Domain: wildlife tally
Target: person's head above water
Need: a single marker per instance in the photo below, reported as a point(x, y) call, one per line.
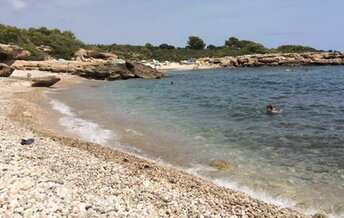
point(271, 110)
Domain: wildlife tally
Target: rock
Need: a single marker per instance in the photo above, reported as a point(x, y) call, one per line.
point(146, 72)
point(5, 71)
point(129, 65)
point(284, 59)
point(25, 186)
point(319, 215)
point(44, 81)
point(18, 210)
point(220, 164)
point(92, 70)
point(172, 180)
point(27, 141)
point(88, 206)
point(27, 114)
point(9, 53)
point(109, 71)
point(106, 71)
point(85, 55)
point(45, 48)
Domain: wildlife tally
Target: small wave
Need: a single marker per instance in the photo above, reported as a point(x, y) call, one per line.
point(200, 137)
point(198, 170)
point(134, 132)
point(62, 108)
point(260, 196)
point(87, 130)
point(269, 199)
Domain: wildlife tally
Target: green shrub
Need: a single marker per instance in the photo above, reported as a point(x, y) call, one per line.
point(63, 44)
point(294, 49)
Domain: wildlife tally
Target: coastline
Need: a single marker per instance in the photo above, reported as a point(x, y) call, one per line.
point(83, 178)
point(179, 67)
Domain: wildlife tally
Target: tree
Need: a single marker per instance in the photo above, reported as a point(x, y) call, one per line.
point(149, 46)
point(69, 34)
point(211, 47)
point(254, 48)
point(195, 43)
point(233, 42)
point(166, 46)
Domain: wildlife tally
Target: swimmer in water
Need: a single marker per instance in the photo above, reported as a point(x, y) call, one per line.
point(272, 110)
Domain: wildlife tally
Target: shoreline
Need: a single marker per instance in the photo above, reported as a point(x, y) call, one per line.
point(201, 196)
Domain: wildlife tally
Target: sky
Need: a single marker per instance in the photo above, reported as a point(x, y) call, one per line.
point(316, 23)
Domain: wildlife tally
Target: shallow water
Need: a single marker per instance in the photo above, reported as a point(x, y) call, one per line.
point(295, 158)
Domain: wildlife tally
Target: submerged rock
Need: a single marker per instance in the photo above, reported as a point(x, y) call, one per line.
point(44, 81)
point(220, 164)
point(5, 71)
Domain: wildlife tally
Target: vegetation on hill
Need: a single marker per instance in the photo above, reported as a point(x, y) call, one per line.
point(63, 44)
point(295, 49)
point(42, 40)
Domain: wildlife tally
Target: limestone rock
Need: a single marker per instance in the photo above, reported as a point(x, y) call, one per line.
point(5, 71)
point(9, 53)
point(110, 71)
point(44, 81)
point(84, 55)
point(282, 59)
point(92, 70)
point(44, 48)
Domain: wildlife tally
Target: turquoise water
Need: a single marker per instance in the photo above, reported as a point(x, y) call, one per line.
point(295, 158)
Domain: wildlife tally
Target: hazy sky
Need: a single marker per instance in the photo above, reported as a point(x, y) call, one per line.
point(317, 23)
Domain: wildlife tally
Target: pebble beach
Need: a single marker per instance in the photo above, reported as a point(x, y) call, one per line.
point(57, 176)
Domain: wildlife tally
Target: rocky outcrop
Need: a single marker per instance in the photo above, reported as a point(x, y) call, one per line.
point(109, 71)
point(44, 81)
point(5, 71)
point(287, 59)
point(92, 70)
point(10, 53)
point(89, 55)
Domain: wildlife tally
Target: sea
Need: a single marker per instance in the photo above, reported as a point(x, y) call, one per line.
point(190, 118)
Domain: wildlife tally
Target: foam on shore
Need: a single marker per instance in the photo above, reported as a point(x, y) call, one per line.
point(265, 197)
point(87, 130)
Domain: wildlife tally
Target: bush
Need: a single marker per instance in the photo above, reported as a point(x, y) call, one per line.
point(63, 44)
point(294, 49)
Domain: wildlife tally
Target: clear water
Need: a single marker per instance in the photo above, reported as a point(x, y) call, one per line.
point(295, 158)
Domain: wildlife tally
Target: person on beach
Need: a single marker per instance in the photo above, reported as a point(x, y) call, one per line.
point(271, 110)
